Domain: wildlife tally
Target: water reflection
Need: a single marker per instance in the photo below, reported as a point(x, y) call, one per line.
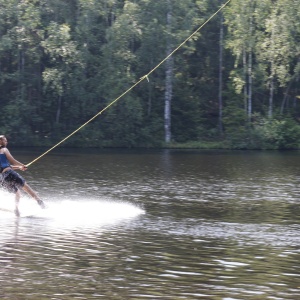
point(156, 225)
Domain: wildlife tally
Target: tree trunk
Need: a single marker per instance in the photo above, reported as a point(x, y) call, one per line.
point(286, 94)
point(221, 76)
point(250, 78)
point(272, 76)
point(58, 109)
point(21, 71)
point(297, 97)
point(245, 81)
point(270, 112)
point(149, 106)
point(250, 86)
point(169, 78)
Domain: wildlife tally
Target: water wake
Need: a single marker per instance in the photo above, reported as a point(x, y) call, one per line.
point(86, 212)
point(67, 212)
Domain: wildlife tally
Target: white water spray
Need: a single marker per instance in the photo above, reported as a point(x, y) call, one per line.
point(79, 211)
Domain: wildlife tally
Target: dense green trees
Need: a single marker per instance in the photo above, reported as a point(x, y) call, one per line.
point(235, 82)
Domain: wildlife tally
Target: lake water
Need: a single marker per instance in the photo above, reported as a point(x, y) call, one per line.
point(169, 224)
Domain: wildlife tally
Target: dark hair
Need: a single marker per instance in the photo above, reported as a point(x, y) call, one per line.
point(1, 139)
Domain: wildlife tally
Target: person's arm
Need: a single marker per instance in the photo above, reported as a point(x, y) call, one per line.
point(14, 163)
point(22, 168)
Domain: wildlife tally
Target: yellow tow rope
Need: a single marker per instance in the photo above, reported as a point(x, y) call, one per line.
point(133, 86)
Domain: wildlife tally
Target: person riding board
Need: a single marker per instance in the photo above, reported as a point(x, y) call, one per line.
point(10, 179)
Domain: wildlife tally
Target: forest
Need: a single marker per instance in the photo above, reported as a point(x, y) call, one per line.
point(233, 85)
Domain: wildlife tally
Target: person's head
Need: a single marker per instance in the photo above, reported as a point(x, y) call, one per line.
point(3, 141)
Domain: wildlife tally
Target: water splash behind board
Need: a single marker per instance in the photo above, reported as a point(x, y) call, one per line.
point(73, 213)
point(87, 212)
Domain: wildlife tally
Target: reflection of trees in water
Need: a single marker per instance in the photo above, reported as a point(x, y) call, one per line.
point(9, 249)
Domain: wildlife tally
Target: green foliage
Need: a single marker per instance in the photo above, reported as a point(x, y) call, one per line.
point(277, 133)
point(61, 62)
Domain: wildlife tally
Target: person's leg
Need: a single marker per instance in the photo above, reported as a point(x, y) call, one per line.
point(30, 191)
point(26, 188)
point(8, 183)
point(17, 200)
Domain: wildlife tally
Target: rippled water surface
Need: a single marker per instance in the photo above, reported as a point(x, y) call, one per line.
point(173, 224)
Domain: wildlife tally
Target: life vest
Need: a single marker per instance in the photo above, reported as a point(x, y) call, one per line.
point(3, 162)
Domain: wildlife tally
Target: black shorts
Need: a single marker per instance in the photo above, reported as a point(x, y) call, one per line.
point(11, 181)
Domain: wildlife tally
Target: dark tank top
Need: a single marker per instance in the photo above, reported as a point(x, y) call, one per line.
point(3, 162)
